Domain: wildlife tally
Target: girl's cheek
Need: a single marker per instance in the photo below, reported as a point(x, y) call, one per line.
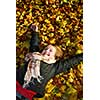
point(43, 52)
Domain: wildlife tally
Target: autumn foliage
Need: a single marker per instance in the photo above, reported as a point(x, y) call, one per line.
point(60, 22)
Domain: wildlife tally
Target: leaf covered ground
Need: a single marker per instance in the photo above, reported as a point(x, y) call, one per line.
point(60, 22)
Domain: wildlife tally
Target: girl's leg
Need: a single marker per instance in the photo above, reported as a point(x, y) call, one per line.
point(24, 92)
point(18, 95)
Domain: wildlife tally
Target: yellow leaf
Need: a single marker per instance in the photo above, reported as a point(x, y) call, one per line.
point(54, 6)
point(47, 2)
point(44, 33)
point(71, 90)
point(70, 79)
point(58, 94)
point(50, 88)
point(68, 42)
point(73, 96)
point(39, 99)
point(18, 13)
point(40, 19)
point(65, 1)
point(68, 84)
point(30, 14)
point(63, 87)
point(26, 44)
point(45, 38)
point(25, 6)
point(61, 30)
point(51, 35)
point(64, 23)
point(47, 95)
point(23, 13)
point(52, 41)
point(57, 19)
point(21, 56)
point(47, 21)
point(78, 51)
point(25, 22)
point(21, 17)
point(51, 80)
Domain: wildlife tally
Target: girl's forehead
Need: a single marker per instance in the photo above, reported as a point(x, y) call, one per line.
point(50, 46)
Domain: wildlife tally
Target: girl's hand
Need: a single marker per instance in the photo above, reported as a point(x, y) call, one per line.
point(37, 55)
point(28, 56)
point(34, 27)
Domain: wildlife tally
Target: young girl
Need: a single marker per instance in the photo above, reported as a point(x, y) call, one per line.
point(51, 64)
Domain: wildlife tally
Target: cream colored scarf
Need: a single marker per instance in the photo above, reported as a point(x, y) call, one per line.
point(33, 70)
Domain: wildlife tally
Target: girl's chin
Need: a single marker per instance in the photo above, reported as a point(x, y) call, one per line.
point(46, 56)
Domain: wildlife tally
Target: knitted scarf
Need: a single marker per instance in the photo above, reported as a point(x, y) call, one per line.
point(33, 70)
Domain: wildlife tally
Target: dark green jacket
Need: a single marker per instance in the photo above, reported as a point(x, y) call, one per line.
point(47, 70)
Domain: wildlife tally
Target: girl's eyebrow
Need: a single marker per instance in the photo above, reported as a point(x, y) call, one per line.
point(46, 48)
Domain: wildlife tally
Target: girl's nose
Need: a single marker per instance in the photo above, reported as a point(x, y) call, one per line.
point(47, 50)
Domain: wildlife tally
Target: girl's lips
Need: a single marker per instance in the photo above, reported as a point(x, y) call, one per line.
point(48, 54)
point(45, 54)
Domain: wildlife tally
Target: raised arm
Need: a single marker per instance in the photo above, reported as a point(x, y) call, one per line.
point(34, 47)
point(66, 64)
point(34, 42)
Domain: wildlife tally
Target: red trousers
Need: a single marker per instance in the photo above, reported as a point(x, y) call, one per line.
point(24, 92)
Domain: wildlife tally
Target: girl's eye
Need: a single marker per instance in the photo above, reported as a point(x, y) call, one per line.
point(50, 50)
point(46, 48)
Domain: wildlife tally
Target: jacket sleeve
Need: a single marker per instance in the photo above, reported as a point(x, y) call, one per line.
point(20, 73)
point(34, 47)
point(66, 64)
point(34, 42)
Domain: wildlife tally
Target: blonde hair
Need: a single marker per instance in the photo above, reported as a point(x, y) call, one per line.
point(59, 52)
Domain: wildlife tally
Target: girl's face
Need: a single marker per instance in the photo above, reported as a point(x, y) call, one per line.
point(49, 52)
